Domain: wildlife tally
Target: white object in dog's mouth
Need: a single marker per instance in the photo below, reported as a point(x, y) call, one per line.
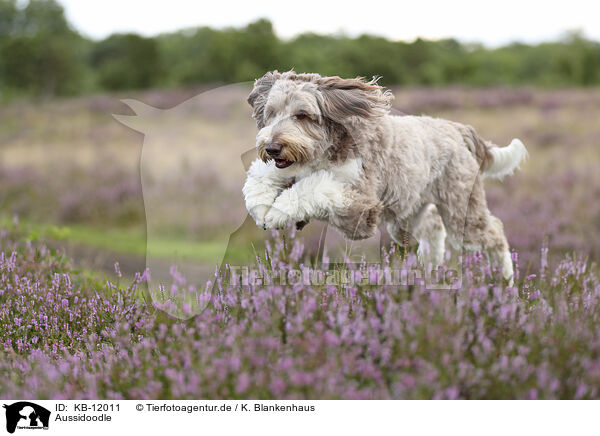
point(282, 163)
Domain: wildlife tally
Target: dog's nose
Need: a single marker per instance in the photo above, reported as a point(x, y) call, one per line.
point(273, 149)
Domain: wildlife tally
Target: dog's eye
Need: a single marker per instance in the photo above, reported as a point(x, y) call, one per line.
point(300, 116)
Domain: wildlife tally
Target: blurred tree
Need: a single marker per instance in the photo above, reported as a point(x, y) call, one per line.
point(39, 53)
point(8, 18)
point(45, 17)
point(580, 63)
point(310, 52)
point(184, 54)
point(259, 48)
point(229, 55)
point(126, 61)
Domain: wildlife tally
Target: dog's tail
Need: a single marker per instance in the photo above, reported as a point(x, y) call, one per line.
point(505, 160)
point(496, 162)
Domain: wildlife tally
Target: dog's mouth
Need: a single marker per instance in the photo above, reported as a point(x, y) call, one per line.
point(282, 163)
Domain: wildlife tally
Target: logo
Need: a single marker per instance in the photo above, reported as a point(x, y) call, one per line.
point(26, 415)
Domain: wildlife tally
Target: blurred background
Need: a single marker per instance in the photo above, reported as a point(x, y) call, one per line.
point(70, 173)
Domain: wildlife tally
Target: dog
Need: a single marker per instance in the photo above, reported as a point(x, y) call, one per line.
point(330, 149)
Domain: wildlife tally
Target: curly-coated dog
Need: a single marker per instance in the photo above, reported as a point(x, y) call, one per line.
point(330, 149)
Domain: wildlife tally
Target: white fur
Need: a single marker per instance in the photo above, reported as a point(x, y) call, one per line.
point(316, 196)
point(431, 250)
point(506, 159)
point(349, 171)
point(507, 267)
point(263, 185)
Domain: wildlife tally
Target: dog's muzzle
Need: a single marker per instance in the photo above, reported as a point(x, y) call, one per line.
point(273, 150)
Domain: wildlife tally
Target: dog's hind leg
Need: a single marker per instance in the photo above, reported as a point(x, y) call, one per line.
point(497, 248)
point(398, 232)
point(471, 225)
point(427, 227)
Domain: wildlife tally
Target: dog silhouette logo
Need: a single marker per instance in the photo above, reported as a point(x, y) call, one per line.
point(26, 415)
point(191, 181)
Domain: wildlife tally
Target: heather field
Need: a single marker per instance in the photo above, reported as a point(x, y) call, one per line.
point(75, 325)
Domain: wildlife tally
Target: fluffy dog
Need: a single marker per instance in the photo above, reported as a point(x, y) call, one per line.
point(330, 149)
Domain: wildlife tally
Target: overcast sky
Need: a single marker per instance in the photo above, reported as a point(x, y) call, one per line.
point(491, 22)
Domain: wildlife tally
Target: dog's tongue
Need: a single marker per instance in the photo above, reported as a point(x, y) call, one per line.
point(282, 163)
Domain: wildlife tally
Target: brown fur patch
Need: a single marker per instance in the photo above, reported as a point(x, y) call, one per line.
point(343, 98)
point(361, 219)
point(258, 97)
point(343, 146)
point(477, 146)
point(293, 148)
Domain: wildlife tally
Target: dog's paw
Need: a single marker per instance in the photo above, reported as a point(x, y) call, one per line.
point(276, 219)
point(284, 210)
point(258, 214)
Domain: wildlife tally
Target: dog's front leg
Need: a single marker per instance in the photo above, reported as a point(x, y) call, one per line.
point(316, 196)
point(262, 187)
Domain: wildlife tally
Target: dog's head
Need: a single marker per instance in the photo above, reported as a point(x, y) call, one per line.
point(303, 117)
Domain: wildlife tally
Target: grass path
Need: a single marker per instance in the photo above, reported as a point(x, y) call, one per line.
point(131, 241)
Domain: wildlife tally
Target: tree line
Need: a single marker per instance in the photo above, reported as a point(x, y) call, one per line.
point(41, 55)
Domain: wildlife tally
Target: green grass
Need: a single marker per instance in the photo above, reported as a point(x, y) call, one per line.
point(128, 241)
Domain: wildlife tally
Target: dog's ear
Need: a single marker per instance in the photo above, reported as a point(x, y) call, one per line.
point(258, 97)
point(344, 98)
point(344, 102)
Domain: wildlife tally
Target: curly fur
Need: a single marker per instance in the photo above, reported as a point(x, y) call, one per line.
point(356, 165)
